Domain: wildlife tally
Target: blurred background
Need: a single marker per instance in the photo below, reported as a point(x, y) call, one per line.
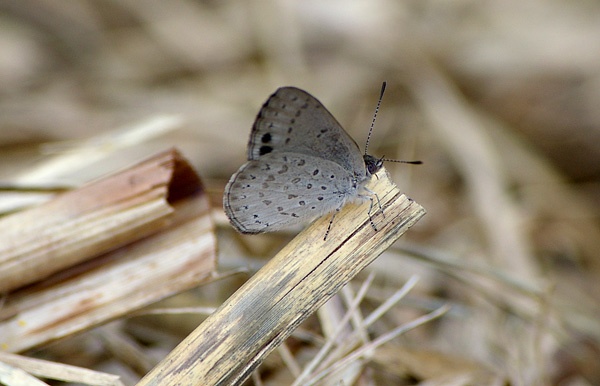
point(500, 100)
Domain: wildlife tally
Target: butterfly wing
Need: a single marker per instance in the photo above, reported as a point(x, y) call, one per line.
point(283, 189)
point(292, 120)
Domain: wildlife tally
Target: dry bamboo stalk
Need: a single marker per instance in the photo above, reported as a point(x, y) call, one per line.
point(108, 286)
point(233, 341)
point(91, 220)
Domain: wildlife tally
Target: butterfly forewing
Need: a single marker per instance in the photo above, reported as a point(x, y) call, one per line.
point(294, 121)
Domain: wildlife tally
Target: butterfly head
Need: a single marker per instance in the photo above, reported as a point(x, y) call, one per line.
point(372, 164)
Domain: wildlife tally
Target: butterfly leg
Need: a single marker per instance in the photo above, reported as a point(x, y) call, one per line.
point(370, 197)
point(331, 222)
point(369, 213)
point(372, 193)
point(371, 203)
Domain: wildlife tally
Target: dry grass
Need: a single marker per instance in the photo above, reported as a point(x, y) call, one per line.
point(498, 98)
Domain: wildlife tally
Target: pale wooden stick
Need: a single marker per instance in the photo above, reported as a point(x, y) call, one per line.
point(233, 341)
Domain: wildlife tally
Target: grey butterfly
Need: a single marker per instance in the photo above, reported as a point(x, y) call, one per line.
point(301, 165)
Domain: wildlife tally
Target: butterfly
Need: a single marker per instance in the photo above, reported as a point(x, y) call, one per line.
point(301, 164)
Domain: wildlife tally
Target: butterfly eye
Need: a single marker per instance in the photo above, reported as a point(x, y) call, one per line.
point(374, 167)
point(372, 164)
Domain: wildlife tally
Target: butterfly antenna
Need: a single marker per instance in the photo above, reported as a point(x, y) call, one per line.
point(375, 116)
point(402, 162)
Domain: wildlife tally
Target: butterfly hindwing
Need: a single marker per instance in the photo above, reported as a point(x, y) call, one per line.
point(283, 189)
